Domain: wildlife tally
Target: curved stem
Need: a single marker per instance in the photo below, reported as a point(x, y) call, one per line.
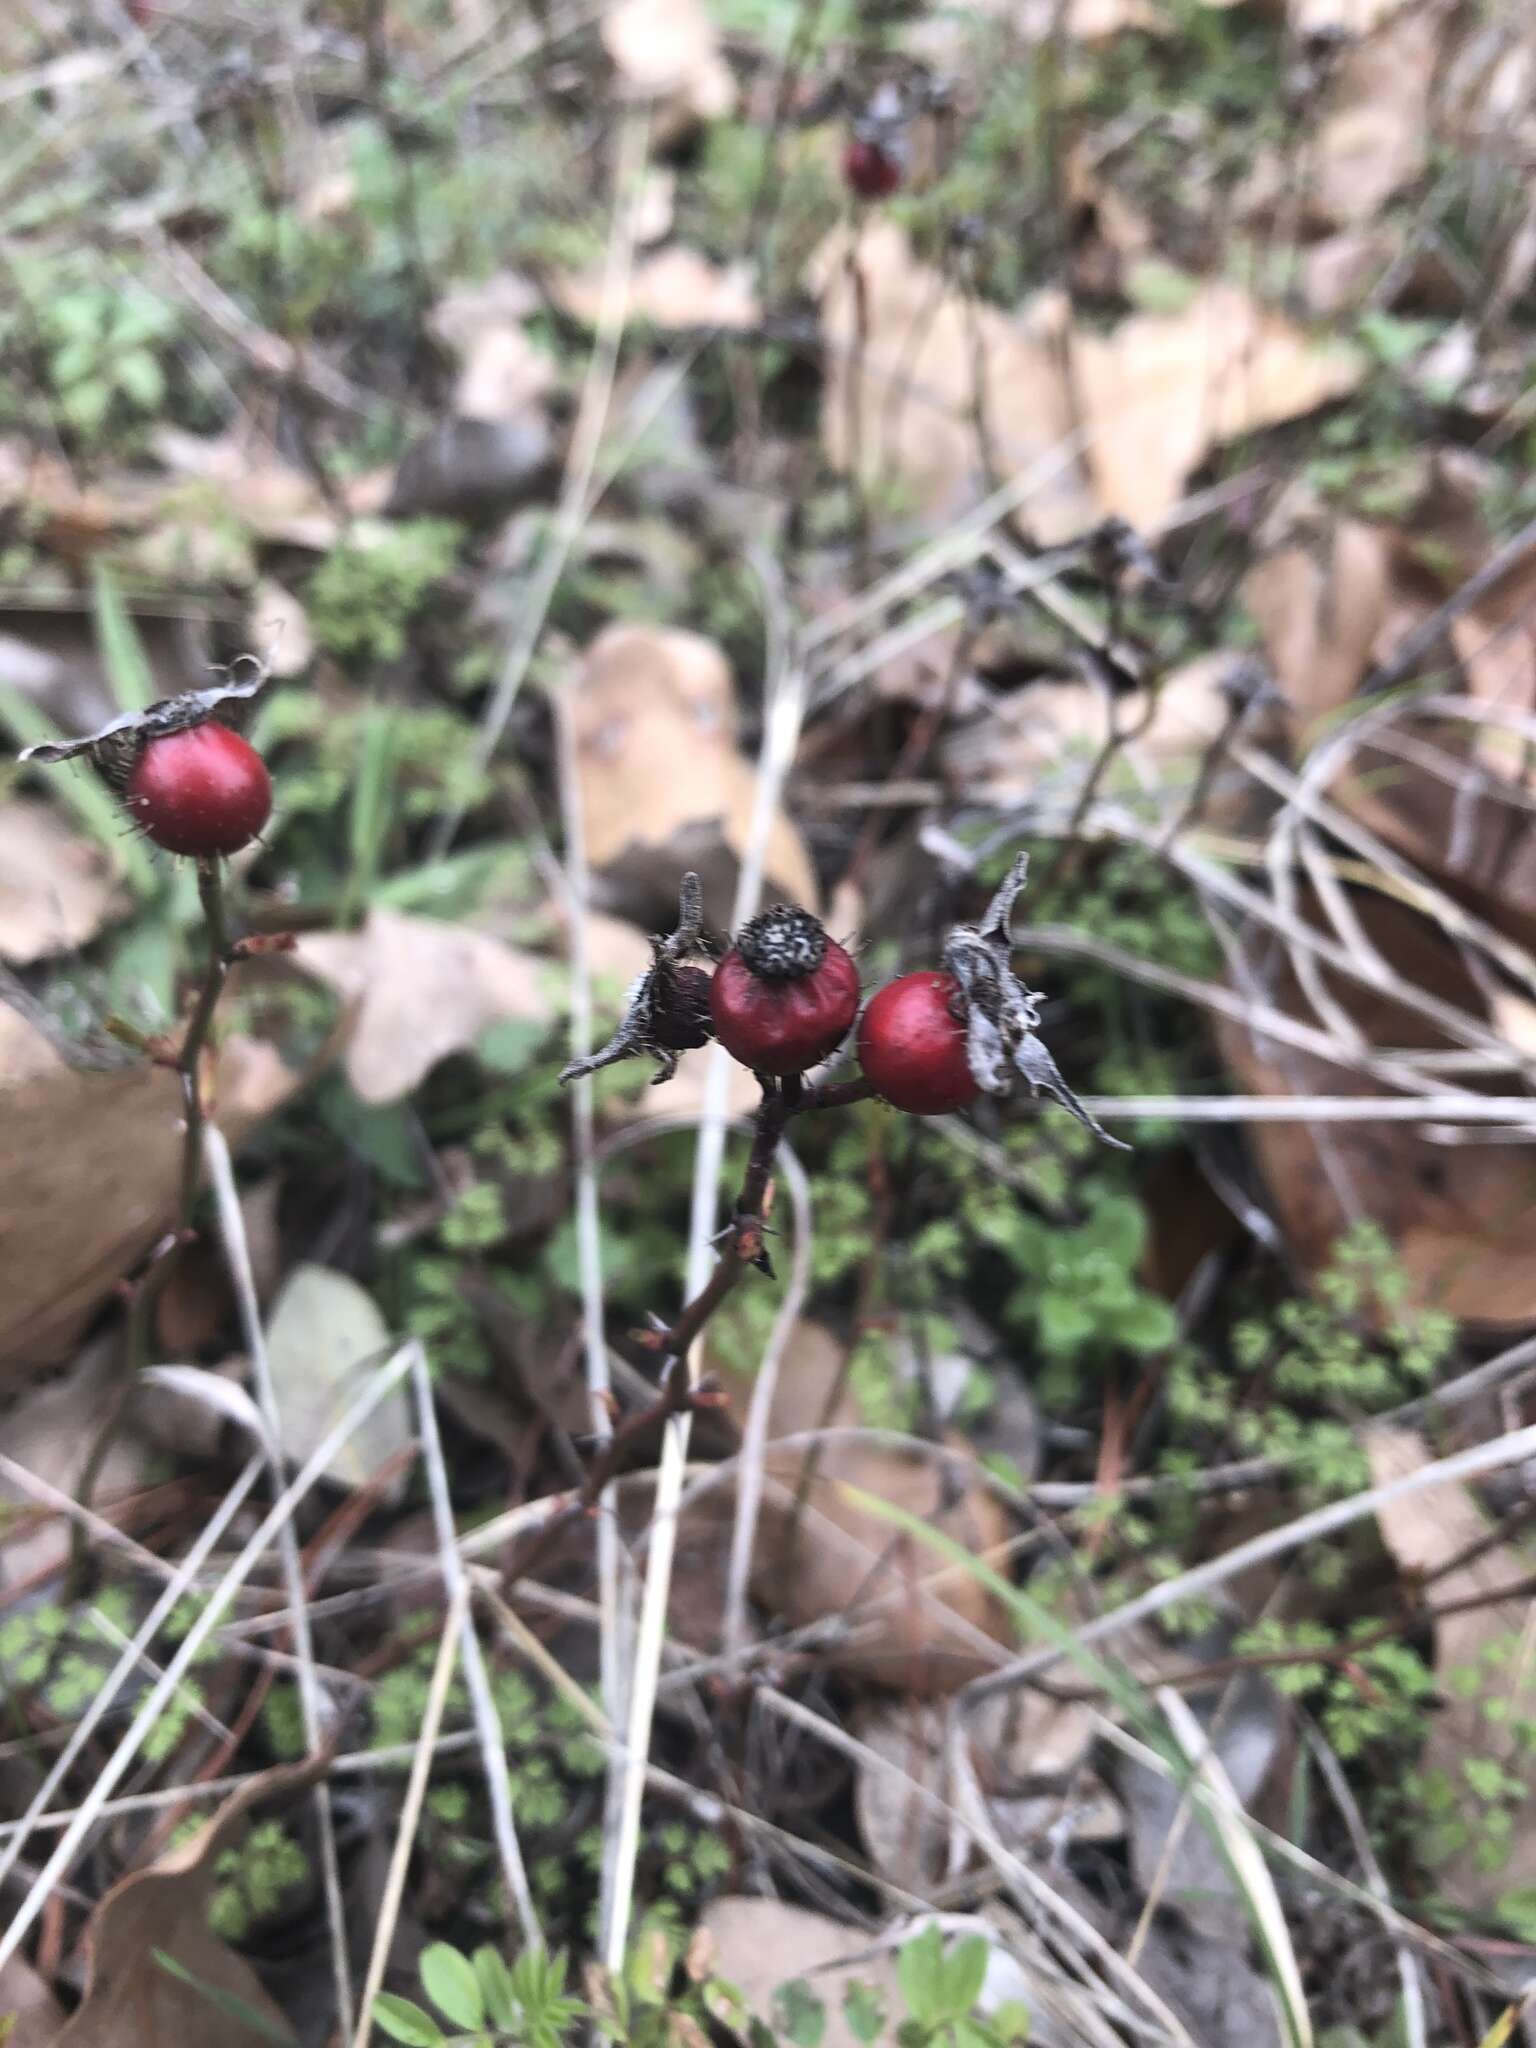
point(151, 1282)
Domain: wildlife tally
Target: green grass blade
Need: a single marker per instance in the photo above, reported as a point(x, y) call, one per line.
point(226, 2002)
point(122, 651)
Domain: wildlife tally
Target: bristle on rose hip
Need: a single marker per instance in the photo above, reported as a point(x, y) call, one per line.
point(203, 792)
point(786, 995)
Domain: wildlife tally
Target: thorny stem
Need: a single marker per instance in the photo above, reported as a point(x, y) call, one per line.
point(743, 1247)
point(151, 1282)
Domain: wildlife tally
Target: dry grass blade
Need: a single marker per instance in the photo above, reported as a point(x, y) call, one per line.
point(574, 505)
point(150, 1708)
point(106, 1693)
point(784, 715)
point(237, 1253)
point(1250, 1873)
point(487, 1726)
point(453, 1636)
point(1503, 1451)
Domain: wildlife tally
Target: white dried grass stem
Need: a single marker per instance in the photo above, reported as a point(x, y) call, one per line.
point(236, 1573)
point(106, 1693)
point(237, 1256)
point(451, 1640)
point(487, 1726)
point(781, 732)
point(586, 437)
point(1513, 1448)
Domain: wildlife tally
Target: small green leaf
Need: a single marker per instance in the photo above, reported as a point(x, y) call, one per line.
point(801, 2014)
point(1064, 1322)
point(140, 377)
point(403, 2021)
point(965, 1970)
point(449, 1980)
point(863, 2011)
point(920, 1973)
point(1011, 2022)
point(1147, 1323)
point(496, 1986)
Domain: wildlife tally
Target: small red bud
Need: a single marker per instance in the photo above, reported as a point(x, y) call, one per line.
point(871, 169)
point(912, 1045)
point(202, 791)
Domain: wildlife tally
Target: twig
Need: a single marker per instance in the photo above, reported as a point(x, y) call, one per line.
point(147, 1290)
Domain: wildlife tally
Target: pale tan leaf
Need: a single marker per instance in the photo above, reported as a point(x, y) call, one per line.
point(761, 1945)
point(422, 990)
point(1321, 600)
point(663, 785)
point(56, 889)
point(1375, 137)
point(325, 1336)
point(1164, 389)
point(675, 287)
point(669, 51)
point(26, 2001)
point(281, 634)
point(915, 383)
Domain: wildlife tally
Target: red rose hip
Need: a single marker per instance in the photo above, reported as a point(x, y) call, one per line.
point(786, 995)
point(912, 1045)
point(870, 169)
point(202, 791)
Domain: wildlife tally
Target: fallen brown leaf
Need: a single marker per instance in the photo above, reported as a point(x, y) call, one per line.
point(25, 2000)
point(1321, 597)
point(1028, 1754)
point(49, 1431)
point(1492, 1644)
point(761, 1945)
point(56, 889)
point(668, 51)
point(502, 374)
point(928, 1623)
point(1164, 389)
point(422, 990)
point(1461, 1218)
point(133, 2001)
point(915, 381)
point(662, 783)
point(1376, 134)
point(89, 1172)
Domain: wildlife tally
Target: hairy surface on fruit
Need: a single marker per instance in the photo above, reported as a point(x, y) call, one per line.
point(783, 943)
point(784, 1026)
point(680, 1018)
point(202, 791)
point(912, 1045)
